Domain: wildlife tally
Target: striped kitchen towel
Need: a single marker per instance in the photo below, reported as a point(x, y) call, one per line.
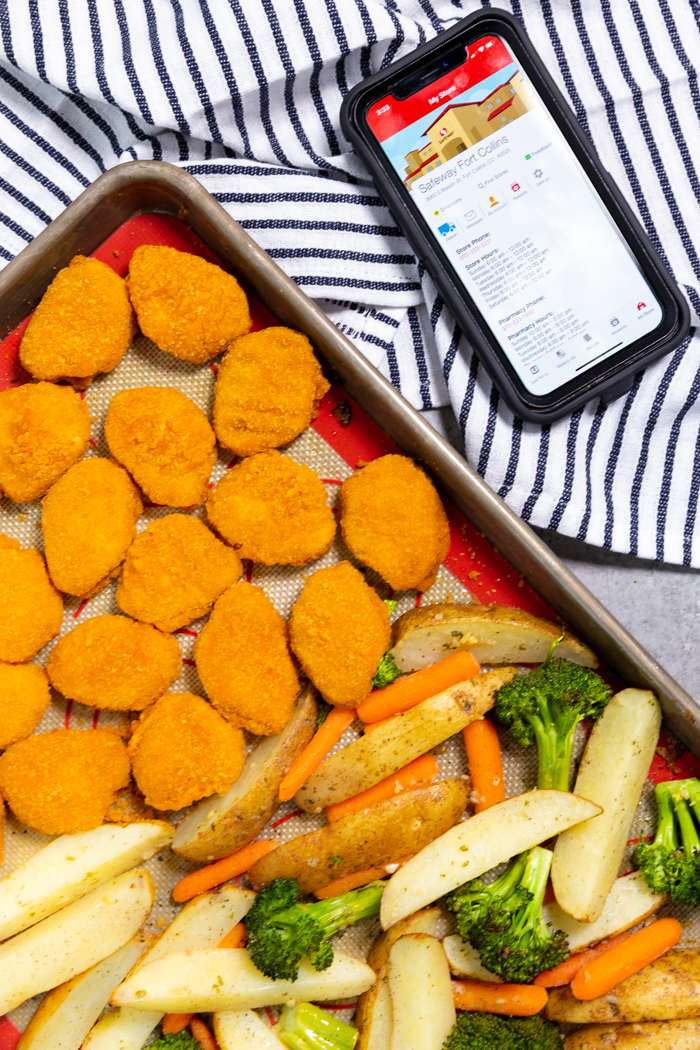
point(245, 95)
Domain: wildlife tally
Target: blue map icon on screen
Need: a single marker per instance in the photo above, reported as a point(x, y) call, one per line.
point(447, 227)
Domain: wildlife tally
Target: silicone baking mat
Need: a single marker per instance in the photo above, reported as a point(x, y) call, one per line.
point(342, 438)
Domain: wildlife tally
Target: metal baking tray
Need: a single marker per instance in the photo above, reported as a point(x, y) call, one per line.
point(142, 187)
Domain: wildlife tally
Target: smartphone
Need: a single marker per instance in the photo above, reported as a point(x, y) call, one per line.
point(501, 194)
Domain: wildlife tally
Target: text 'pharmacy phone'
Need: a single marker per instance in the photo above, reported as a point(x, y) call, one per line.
point(528, 239)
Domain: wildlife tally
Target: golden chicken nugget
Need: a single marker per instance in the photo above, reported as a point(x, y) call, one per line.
point(89, 522)
point(267, 391)
point(24, 696)
point(83, 325)
point(244, 663)
point(164, 441)
point(189, 307)
point(392, 519)
point(182, 750)
point(174, 572)
point(339, 630)
point(63, 782)
point(31, 609)
point(44, 430)
point(115, 664)
point(273, 510)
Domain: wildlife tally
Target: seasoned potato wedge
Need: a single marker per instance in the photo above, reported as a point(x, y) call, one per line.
point(74, 939)
point(202, 923)
point(664, 990)
point(374, 1017)
point(612, 773)
point(464, 960)
point(220, 825)
point(652, 1035)
point(73, 865)
point(67, 1013)
point(476, 845)
point(495, 634)
point(421, 993)
point(226, 979)
point(244, 1030)
point(371, 758)
point(378, 835)
point(630, 901)
point(425, 921)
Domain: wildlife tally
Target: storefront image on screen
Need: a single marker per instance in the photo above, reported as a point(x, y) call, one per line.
point(517, 218)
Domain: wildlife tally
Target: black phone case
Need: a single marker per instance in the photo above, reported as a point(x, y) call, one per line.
point(608, 380)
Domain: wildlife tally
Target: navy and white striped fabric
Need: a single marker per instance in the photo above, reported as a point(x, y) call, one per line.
point(245, 95)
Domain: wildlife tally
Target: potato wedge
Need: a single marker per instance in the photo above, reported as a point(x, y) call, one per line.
point(652, 1035)
point(202, 923)
point(374, 1017)
point(371, 758)
point(74, 939)
point(495, 634)
point(421, 993)
point(612, 773)
point(67, 1013)
point(664, 990)
point(425, 921)
point(221, 824)
point(244, 1030)
point(73, 865)
point(476, 845)
point(226, 979)
point(464, 960)
point(630, 901)
point(378, 835)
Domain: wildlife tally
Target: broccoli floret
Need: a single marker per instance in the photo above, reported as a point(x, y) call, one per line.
point(504, 921)
point(307, 1027)
point(477, 1031)
point(544, 707)
point(671, 863)
point(387, 672)
point(282, 931)
point(184, 1040)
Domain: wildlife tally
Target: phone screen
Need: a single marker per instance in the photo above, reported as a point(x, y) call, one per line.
point(517, 217)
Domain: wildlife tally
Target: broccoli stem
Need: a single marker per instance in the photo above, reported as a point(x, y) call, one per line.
point(307, 1027)
point(537, 865)
point(338, 912)
point(666, 828)
point(681, 793)
point(554, 728)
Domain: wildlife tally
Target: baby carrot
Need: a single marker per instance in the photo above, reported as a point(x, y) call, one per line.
point(235, 938)
point(409, 691)
point(202, 1034)
point(174, 1023)
point(519, 1000)
point(221, 870)
point(485, 766)
point(361, 878)
point(371, 726)
point(337, 721)
point(565, 972)
point(604, 973)
point(420, 771)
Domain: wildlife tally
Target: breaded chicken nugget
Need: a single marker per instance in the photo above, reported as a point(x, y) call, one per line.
point(244, 663)
point(182, 750)
point(44, 430)
point(164, 441)
point(392, 519)
point(89, 522)
point(273, 510)
point(114, 663)
point(339, 631)
point(24, 696)
point(187, 306)
point(64, 781)
point(174, 572)
point(267, 391)
point(31, 609)
point(83, 325)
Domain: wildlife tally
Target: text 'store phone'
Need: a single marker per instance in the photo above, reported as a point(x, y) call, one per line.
point(528, 239)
